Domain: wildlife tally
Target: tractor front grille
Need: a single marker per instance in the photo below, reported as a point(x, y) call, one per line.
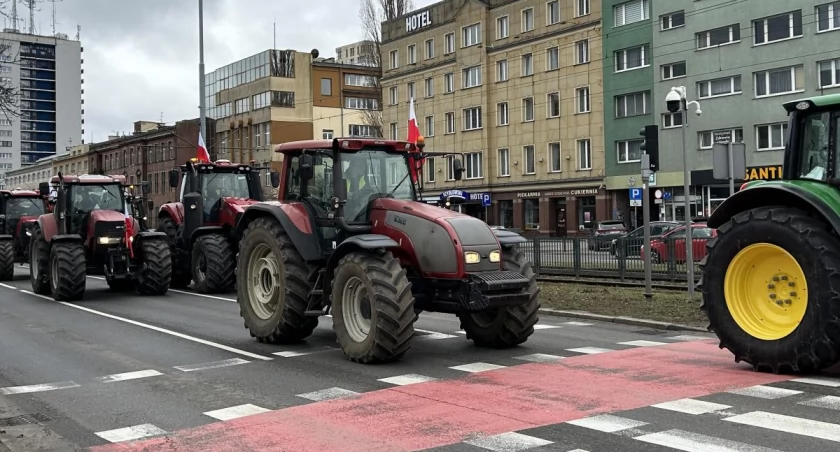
point(114, 229)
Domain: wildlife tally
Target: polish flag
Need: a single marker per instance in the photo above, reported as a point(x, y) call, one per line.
point(413, 134)
point(201, 153)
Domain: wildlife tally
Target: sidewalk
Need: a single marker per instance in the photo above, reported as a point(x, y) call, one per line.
point(23, 432)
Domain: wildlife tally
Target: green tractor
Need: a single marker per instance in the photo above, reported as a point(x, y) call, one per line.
point(771, 278)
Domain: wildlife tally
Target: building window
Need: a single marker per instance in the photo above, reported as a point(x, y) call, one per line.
point(501, 70)
point(719, 87)
point(502, 115)
point(430, 49)
point(449, 83)
point(633, 104)
point(471, 77)
point(531, 209)
point(770, 137)
point(707, 138)
point(449, 43)
point(359, 80)
point(393, 130)
point(326, 87)
point(450, 122)
point(555, 158)
point(409, 88)
point(430, 87)
point(527, 64)
point(582, 100)
point(829, 73)
point(584, 148)
point(430, 126)
point(552, 11)
point(581, 8)
point(474, 165)
point(777, 28)
point(430, 169)
point(552, 57)
point(775, 81)
point(502, 27)
point(582, 52)
point(412, 54)
point(632, 58)
point(527, 19)
point(530, 159)
point(553, 106)
point(361, 103)
point(472, 118)
point(471, 35)
point(326, 134)
point(393, 95)
point(628, 151)
point(504, 162)
point(395, 59)
point(672, 20)
point(363, 130)
point(528, 109)
point(673, 70)
point(828, 17)
point(450, 167)
point(631, 12)
point(729, 34)
point(672, 120)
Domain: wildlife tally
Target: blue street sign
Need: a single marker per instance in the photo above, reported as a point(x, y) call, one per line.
point(485, 199)
point(636, 194)
point(667, 195)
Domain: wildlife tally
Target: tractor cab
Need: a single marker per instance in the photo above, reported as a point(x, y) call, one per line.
point(83, 195)
point(215, 182)
point(18, 209)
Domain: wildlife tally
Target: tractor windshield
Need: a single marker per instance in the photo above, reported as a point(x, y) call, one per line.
point(85, 198)
point(24, 207)
point(373, 173)
point(216, 186)
point(814, 152)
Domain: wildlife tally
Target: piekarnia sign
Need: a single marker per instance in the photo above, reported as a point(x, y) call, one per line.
point(417, 21)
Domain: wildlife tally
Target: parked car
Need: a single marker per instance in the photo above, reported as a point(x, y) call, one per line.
point(660, 248)
point(630, 244)
point(603, 232)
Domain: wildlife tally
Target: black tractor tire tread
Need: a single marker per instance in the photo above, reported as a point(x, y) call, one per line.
point(7, 260)
point(519, 320)
point(818, 336)
point(42, 261)
point(393, 303)
point(156, 274)
point(70, 258)
point(179, 279)
point(221, 264)
point(293, 326)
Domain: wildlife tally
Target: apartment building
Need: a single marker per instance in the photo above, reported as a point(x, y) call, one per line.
point(359, 53)
point(515, 87)
point(28, 177)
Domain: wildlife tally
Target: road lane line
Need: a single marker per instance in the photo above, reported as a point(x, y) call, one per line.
point(589, 350)
point(236, 412)
point(232, 300)
point(642, 343)
point(408, 379)
point(8, 286)
point(158, 329)
point(691, 406)
point(38, 388)
point(607, 423)
point(476, 367)
point(433, 335)
point(544, 326)
point(819, 381)
point(129, 376)
point(695, 442)
point(789, 424)
point(130, 433)
point(765, 392)
point(827, 402)
point(539, 358)
point(511, 441)
point(212, 365)
point(328, 394)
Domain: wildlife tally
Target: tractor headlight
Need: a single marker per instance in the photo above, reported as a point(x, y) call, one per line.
point(471, 257)
point(495, 256)
point(109, 240)
point(29, 233)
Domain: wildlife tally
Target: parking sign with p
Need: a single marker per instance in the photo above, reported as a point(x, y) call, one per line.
point(635, 197)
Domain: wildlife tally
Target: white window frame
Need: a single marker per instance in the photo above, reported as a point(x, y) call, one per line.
point(668, 120)
point(779, 128)
point(552, 5)
point(549, 104)
point(504, 161)
point(476, 165)
point(502, 27)
point(529, 151)
point(766, 81)
point(670, 19)
point(527, 12)
point(394, 59)
point(471, 35)
point(626, 151)
point(429, 46)
point(552, 55)
point(527, 62)
point(582, 47)
point(393, 130)
point(409, 90)
point(450, 168)
point(584, 151)
point(411, 51)
point(429, 122)
point(449, 123)
point(526, 109)
point(449, 43)
point(394, 95)
point(472, 118)
point(449, 83)
point(622, 98)
point(555, 167)
point(429, 169)
point(832, 9)
point(791, 16)
point(670, 67)
point(502, 72)
point(581, 109)
point(620, 15)
point(471, 77)
point(733, 92)
point(582, 8)
point(429, 87)
point(703, 38)
point(834, 67)
point(503, 114)
point(622, 55)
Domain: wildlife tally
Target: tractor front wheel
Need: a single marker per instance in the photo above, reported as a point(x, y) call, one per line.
point(39, 263)
point(770, 281)
point(180, 279)
point(67, 271)
point(156, 274)
point(507, 326)
point(373, 307)
point(213, 262)
point(7, 260)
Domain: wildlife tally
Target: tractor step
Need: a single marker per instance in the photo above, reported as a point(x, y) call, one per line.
point(314, 313)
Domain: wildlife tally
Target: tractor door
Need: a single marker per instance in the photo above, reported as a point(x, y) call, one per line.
point(317, 196)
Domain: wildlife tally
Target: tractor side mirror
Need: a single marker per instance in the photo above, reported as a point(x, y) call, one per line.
point(275, 179)
point(458, 168)
point(174, 178)
point(44, 189)
point(146, 187)
point(306, 170)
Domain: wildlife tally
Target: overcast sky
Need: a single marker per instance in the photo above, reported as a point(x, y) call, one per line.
point(141, 57)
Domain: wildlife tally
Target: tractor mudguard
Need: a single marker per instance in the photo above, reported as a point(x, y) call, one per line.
point(305, 241)
point(507, 238)
point(819, 197)
point(48, 226)
point(66, 238)
point(174, 210)
point(149, 235)
point(6, 237)
point(204, 230)
point(361, 241)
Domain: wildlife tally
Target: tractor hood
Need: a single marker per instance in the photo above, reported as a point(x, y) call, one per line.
point(419, 209)
point(238, 205)
point(25, 223)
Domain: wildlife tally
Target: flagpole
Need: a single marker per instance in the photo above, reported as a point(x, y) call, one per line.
point(201, 105)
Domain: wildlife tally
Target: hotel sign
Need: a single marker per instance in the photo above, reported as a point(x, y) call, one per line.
point(417, 21)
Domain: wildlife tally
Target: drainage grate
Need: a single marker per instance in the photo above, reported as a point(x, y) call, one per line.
point(651, 332)
point(34, 418)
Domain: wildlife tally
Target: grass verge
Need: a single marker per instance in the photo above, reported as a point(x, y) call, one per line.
point(665, 306)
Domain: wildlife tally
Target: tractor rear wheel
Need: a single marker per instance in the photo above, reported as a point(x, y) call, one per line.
point(770, 284)
point(7, 260)
point(67, 271)
point(39, 263)
point(155, 276)
point(511, 325)
point(213, 262)
point(274, 284)
point(372, 307)
point(180, 279)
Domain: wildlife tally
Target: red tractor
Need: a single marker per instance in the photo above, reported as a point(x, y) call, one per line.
point(90, 232)
point(19, 209)
point(348, 235)
point(203, 250)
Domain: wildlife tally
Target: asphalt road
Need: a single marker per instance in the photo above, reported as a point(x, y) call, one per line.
point(180, 372)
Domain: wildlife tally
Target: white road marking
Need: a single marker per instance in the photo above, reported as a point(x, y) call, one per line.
point(460, 332)
point(691, 406)
point(508, 442)
point(157, 328)
point(695, 442)
point(212, 365)
point(476, 367)
point(578, 323)
point(129, 376)
point(819, 381)
point(607, 423)
point(688, 338)
point(642, 343)
point(539, 358)
point(589, 350)
point(789, 424)
point(233, 300)
point(236, 412)
point(328, 394)
point(542, 326)
point(8, 286)
point(827, 402)
point(765, 392)
point(433, 335)
point(304, 352)
point(38, 388)
point(130, 433)
point(407, 379)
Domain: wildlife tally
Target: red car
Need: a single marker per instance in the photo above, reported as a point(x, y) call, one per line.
point(700, 235)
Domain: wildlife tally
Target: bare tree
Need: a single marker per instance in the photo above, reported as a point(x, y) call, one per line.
point(372, 14)
point(9, 94)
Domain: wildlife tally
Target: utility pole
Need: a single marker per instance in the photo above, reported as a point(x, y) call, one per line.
point(650, 163)
point(201, 101)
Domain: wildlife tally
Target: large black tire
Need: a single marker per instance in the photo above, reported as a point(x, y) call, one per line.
point(180, 279)
point(39, 263)
point(213, 264)
point(390, 308)
point(156, 274)
point(287, 286)
point(67, 271)
point(7, 260)
point(813, 344)
point(511, 325)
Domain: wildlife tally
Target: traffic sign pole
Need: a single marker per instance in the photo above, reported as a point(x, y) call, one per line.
point(646, 220)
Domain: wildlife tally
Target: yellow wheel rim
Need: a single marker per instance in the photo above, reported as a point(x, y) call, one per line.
point(766, 291)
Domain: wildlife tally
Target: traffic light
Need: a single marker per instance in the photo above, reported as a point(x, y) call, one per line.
point(651, 145)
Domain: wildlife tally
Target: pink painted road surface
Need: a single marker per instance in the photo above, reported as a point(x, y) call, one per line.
point(439, 413)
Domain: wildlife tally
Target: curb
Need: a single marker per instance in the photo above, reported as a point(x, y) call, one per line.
point(622, 320)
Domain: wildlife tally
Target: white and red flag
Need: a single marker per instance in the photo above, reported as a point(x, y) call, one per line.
point(201, 153)
point(413, 134)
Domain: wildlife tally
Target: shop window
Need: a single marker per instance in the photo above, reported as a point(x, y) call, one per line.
point(532, 213)
point(506, 213)
point(586, 211)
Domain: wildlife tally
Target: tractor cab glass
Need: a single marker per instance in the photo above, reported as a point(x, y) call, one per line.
point(18, 207)
point(82, 199)
point(814, 141)
point(214, 184)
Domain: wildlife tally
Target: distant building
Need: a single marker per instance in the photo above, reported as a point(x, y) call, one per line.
point(360, 53)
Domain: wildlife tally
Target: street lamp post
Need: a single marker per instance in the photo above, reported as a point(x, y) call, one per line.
point(676, 101)
point(201, 107)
